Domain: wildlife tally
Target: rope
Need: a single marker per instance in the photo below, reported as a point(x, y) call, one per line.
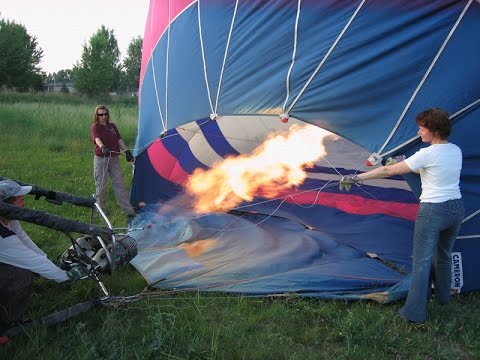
point(157, 97)
point(326, 56)
point(268, 215)
point(105, 166)
point(200, 34)
point(224, 229)
point(471, 216)
point(102, 184)
point(225, 57)
point(427, 73)
point(405, 143)
point(295, 41)
point(316, 196)
point(469, 237)
point(165, 126)
point(164, 121)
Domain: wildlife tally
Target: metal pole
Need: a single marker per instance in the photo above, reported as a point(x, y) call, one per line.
point(112, 253)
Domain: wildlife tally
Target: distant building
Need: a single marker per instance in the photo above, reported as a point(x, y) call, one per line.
point(58, 86)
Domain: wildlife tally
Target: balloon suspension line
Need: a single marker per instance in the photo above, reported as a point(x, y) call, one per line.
point(324, 59)
point(284, 114)
point(425, 76)
point(202, 49)
point(227, 46)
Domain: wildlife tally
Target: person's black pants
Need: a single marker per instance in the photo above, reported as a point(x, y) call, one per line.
point(16, 287)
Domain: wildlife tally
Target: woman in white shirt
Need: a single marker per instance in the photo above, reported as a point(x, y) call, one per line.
point(440, 213)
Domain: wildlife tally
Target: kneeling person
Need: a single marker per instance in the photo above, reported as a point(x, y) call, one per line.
point(20, 259)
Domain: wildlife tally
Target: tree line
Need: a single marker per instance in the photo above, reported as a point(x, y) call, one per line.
point(99, 71)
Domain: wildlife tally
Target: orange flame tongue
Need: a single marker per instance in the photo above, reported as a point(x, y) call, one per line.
point(275, 166)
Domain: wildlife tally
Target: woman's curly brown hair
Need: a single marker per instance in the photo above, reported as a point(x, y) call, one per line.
point(435, 120)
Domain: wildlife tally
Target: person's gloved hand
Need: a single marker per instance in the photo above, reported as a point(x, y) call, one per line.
point(394, 160)
point(106, 234)
point(77, 273)
point(105, 151)
point(347, 181)
point(61, 264)
point(128, 155)
point(390, 161)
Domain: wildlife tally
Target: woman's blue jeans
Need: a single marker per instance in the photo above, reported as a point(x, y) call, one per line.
point(436, 228)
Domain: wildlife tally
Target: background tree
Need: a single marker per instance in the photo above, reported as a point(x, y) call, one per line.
point(61, 76)
point(64, 75)
point(99, 70)
point(132, 64)
point(19, 59)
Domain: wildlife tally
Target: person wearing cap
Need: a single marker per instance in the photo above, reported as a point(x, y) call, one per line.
point(20, 259)
point(108, 145)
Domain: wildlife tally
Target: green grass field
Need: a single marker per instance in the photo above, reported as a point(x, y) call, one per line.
point(45, 140)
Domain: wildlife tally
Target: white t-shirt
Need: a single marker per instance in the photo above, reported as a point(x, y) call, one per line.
point(17, 249)
point(439, 166)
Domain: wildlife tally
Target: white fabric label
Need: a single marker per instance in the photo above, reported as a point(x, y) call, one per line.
point(457, 273)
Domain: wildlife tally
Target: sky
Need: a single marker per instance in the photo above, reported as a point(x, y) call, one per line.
point(62, 27)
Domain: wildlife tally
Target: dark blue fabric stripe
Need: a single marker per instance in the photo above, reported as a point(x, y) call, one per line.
point(178, 147)
point(216, 139)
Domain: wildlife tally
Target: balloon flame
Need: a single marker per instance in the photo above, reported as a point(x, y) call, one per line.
point(275, 166)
